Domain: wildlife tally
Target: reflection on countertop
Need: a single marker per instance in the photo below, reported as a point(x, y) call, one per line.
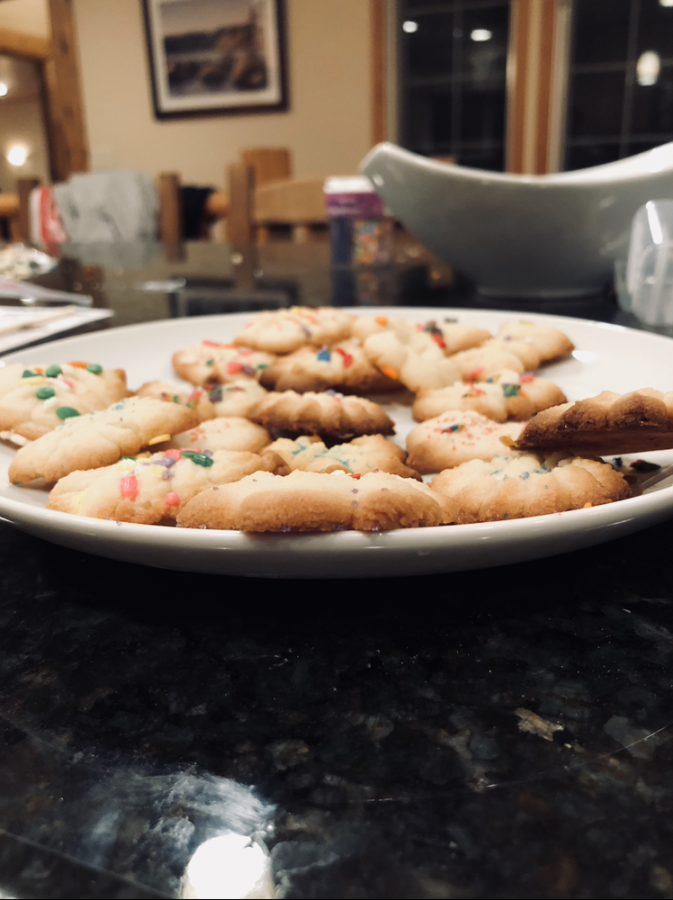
point(488, 734)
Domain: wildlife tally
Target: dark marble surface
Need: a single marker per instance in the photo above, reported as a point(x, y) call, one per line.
point(503, 733)
point(500, 733)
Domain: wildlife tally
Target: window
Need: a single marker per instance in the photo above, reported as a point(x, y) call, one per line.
point(620, 80)
point(452, 89)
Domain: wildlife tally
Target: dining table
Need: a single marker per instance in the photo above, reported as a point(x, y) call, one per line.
point(500, 730)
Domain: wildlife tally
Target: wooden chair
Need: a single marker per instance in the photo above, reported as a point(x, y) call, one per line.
point(268, 163)
point(171, 212)
point(295, 203)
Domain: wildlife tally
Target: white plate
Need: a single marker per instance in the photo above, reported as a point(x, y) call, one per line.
point(607, 357)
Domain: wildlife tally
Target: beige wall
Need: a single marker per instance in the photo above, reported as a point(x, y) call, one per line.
point(25, 15)
point(327, 128)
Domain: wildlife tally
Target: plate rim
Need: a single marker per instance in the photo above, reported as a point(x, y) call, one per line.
point(435, 540)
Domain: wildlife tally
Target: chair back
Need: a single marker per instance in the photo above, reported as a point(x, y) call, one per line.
point(297, 203)
point(268, 163)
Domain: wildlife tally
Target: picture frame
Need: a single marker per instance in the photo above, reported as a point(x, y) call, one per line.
point(216, 57)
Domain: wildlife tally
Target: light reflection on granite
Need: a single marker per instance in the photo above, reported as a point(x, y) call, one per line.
point(498, 733)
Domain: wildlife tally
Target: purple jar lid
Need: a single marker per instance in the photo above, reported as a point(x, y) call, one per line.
point(352, 197)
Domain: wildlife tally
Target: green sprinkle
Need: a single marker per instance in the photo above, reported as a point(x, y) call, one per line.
point(199, 458)
point(44, 393)
point(210, 362)
point(66, 412)
point(54, 371)
point(511, 390)
point(95, 369)
point(28, 374)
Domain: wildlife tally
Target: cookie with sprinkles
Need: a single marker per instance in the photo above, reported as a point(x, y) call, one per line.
point(196, 398)
point(210, 363)
point(607, 424)
point(100, 438)
point(549, 343)
point(36, 399)
point(457, 437)
point(286, 330)
point(505, 395)
point(342, 367)
point(235, 398)
point(152, 488)
point(514, 487)
point(328, 414)
point(447, 335)
point(318, 502)
point(224, 433)
point(369, 453)
point(417, 360)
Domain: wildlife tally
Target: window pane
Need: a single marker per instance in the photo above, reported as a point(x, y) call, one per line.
point(453, 62)
point(482, 116)
point(601, 29)
point(484, 59)
point(653, 106)
point(489, 157)
point(429, 50)
point(591, 155)
point(595, 104)
point(427, 120)
point(655, 28)
point(637, 146)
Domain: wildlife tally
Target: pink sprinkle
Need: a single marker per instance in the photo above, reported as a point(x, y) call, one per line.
point(172, 499)
point(129, 487)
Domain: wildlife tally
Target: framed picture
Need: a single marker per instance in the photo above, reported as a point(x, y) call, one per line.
point(215, 57)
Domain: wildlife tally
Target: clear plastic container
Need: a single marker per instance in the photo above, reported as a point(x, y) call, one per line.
point(361, 230)
point(647, 289)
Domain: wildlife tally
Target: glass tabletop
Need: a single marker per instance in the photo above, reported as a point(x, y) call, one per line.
point(149, 282)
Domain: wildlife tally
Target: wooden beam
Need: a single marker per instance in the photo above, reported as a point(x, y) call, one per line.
point(9, 205)
point(240, 227)
point(517, 76)
point(18, 43)
point(24, 187)
point(545, 82)
point(65, 95)
point(170, 208)
point(377, 19)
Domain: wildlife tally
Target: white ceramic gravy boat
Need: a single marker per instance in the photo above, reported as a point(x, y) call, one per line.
point(522, 235)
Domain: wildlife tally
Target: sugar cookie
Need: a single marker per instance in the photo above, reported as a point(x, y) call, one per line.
point(312, 501)
point(509, 487)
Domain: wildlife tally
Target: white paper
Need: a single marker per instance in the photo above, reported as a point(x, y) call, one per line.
point(11, 289)
point(13, 314)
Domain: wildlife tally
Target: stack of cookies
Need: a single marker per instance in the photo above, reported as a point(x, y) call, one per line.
point(292, 427)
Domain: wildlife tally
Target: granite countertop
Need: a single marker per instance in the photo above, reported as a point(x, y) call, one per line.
point(498, 733)
point(501, 733)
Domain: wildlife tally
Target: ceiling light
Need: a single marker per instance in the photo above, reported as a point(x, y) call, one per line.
point(17, 155)
point(409, 26)
point(647, 68)
point(665, 2)
point(3, 88)
point(481, 34)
